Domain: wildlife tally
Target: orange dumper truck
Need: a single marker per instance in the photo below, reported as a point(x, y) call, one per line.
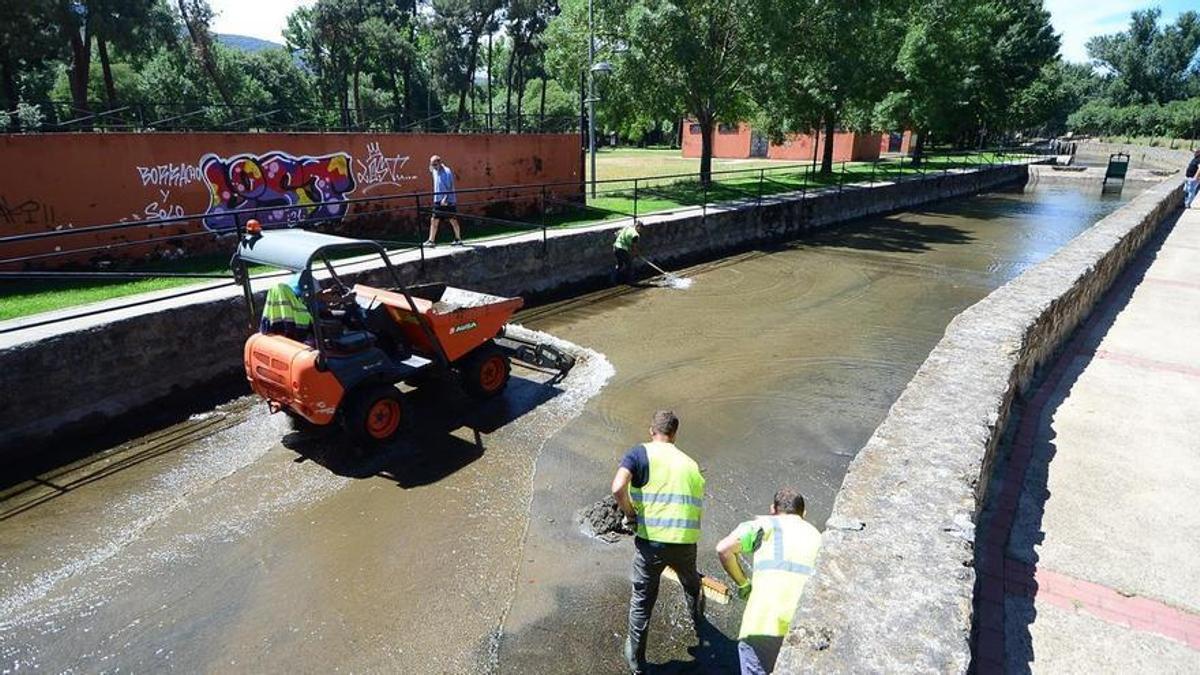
point(347, 347)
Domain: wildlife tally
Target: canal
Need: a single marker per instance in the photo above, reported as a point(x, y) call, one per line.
point(227, 542)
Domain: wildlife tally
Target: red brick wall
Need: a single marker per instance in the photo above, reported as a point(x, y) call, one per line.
point(796, 147)
point(733, 143)
point(62, 181)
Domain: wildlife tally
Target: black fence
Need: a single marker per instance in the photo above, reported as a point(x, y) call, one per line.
point(144, 116)
point(488, 214)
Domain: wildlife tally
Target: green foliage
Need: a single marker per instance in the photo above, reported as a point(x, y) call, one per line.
point(1148, 63)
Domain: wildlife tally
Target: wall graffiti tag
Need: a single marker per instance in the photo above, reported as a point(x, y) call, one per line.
point(27, 212)
point(378, 170)
point(304, 188)
point(169, 175)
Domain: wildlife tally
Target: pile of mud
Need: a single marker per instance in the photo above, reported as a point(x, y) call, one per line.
point(604, 521)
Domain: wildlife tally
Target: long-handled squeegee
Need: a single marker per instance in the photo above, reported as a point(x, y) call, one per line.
point(673, 280)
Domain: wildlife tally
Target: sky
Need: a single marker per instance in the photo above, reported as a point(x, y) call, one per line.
point(1076, 20)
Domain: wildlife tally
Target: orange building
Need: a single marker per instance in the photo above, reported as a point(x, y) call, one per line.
point(742, 142)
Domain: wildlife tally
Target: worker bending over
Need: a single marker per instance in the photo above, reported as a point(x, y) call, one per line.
point(784, 549)
point(661, 487)
point(625, 249)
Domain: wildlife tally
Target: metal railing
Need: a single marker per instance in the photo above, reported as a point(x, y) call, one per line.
point(141, 116)
point(553, 205)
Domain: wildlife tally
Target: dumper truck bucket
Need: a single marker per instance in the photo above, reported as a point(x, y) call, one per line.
point(460, 320)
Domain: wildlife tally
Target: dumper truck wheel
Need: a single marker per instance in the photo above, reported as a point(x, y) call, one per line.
point(485, 373)
point(373, 414)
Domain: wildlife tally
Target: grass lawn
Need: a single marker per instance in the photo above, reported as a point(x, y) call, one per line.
point(613, 200)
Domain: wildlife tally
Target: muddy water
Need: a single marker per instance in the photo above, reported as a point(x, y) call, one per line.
point(213, 545)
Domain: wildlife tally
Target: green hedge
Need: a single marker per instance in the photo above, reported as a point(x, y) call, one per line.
point(1177, 119)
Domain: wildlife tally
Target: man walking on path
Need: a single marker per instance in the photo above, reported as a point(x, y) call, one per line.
point(1191, 180)
point(784, 549)
point(625, 248)
point(661, 487)
point(445, 201)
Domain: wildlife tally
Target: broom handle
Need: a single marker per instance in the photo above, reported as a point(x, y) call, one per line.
point(660, 270)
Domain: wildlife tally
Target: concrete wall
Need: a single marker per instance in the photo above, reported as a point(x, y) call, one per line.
point(1140, 156)
point(76, 375)
point(895, 577)
point(63, 181)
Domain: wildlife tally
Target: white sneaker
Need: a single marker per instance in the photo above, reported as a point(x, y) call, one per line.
point(457, 242)
point(429, 243)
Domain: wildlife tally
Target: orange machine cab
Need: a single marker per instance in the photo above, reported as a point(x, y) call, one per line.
point(285, 373)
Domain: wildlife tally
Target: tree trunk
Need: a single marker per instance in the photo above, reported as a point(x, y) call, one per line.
point(706, 148)
point(542, 106)
point(8, 83)
point(827, 157)
point(520, 89)
point(199, 36)
point(397, 102)
point(469, 81)
point(489, 78)
point(81, 61)
point(358, 115)
point(110, 90)
point(512, 53)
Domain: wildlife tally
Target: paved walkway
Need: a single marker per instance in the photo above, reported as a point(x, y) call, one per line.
point(1089, 556)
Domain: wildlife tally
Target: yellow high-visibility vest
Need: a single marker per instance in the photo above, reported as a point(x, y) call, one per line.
point(669, 506)
point(784, 559)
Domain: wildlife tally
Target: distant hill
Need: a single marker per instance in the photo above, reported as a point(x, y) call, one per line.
point(246, 43)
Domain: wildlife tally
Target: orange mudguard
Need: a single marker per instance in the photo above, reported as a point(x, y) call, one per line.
point(285, 373)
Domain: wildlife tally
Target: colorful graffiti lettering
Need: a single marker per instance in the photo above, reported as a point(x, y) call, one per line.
point(305, 189)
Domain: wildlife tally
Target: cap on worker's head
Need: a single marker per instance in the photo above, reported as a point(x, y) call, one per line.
point(434, 158)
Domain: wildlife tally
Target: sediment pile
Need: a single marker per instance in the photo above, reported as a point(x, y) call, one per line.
point(604, 520)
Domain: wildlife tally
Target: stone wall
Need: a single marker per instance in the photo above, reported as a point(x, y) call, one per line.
point(895, 578)
point(1140, 156)
point(77, 375)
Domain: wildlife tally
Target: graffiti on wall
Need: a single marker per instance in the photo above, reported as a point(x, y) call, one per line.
point(303, 189)
point(379, 170)
point(26, 212)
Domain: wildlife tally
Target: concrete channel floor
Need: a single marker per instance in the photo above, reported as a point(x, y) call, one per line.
point(1101, 568)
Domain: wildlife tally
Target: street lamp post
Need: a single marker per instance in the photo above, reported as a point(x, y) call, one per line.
point(604, 67)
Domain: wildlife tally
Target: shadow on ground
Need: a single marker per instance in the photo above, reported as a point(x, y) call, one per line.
point(1038, 407)
point(430, 447)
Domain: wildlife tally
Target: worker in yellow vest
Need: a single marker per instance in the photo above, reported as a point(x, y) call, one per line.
point(625, 249)
point(284, 312)
point(660, 489)
point(784, 548)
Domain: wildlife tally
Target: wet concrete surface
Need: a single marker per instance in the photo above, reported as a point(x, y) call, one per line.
point(215, 545)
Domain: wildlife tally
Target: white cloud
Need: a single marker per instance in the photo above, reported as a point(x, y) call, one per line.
point(263, 19)
point(1079, 20)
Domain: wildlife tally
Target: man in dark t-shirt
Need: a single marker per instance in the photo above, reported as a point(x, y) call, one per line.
point(661, 490)
point(1191, 180)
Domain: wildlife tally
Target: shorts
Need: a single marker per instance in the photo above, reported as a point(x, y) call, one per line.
point(445, 212)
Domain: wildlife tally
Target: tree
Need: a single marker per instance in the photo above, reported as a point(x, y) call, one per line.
point(1146, 63)
point(459, 26)
point(29, 44)
point(962, 66)
point(690, 55)
point(832, 76)
point(197, 16)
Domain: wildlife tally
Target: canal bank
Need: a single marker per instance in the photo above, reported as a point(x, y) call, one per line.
point(173, 348)
point(896, 581)
point(455, 552)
